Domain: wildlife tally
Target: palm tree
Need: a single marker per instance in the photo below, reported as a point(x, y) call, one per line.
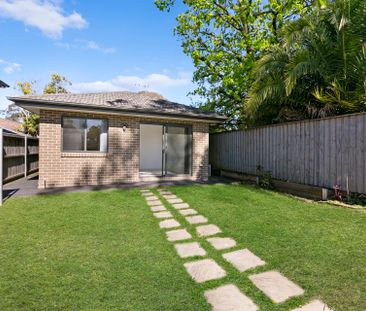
point(318, 70)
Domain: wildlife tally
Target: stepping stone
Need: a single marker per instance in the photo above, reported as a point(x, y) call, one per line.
point(163, 215)
point(154, 203)
point(158, 208)
point(204, 270)
point(185, 250)
point(243, 260)
point(152, 198)
point(163, 191)
point(181, 205)
point(315, 305)
point(169, 196)
point(198, 219)
point(175, 201)
point(207, 230)
point(186, 212)
point(229, 298)
point(144, 190)
point(148, 194)
point(221, 243)
point(169, 223)
point(178, 235)
point(276, 286)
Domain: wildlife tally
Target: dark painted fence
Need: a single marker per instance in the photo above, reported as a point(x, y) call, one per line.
point(20, 157)
point(320, 152)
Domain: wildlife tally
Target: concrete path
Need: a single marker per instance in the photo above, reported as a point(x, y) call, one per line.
point(226, 297)
point(277, 287)
point(193, 249)
point(229, 298)
point(204, 270)
point(29, 186)
point(243, 260)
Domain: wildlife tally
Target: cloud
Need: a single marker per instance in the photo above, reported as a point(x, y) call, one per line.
point(9, 67)
point(46, 15)
point(92, 45)
point(154, 82)
point(85, 44)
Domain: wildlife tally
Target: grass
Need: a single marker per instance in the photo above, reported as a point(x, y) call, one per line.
point(104, 250)
point(89, 251)
point(320, 247)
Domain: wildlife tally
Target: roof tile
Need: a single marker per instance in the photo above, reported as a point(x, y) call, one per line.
point(141, 102)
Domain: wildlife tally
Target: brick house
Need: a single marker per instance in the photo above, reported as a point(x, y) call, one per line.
point(118, 137)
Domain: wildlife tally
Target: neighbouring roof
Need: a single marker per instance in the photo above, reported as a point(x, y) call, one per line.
point(140, 104)
point(10, 125)
point(3, 84)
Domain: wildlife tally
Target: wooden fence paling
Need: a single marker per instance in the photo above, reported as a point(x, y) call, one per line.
point(321, 152)
point(20, 156)
point(1, 166)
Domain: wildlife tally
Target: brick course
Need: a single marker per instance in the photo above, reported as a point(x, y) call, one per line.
point(119, 165)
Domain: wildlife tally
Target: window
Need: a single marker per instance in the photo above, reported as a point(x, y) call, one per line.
point(80, 134)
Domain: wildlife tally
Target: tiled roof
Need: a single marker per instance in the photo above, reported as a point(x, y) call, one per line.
point(10, 125)
point(141, 102)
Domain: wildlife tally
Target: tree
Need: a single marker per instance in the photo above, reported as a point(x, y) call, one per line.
point(30, 120)
point(57, 84)
point(30, 124)
point(27, 88)
point(13, 112)
point(224, 38)
point(318, 70)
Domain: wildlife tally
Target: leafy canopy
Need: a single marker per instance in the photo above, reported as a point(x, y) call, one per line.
point(224, 38)
point(318, 70)
point(30, 121)
point(58, 84)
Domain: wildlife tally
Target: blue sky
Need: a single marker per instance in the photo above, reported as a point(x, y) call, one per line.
point(104, 45)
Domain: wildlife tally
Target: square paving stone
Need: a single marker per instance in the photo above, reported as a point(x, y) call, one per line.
point(276, 286)
point(169, 196)
point(185, 250)
point(243, 260)
point(180, 205)
point(207, 230)
point(204, 270)
point(158, 208)
point(163, 191)
point(163, 215)
point(186, 212)
point(144, 190)
point(175, 201)
point(154, 203)
point(169, 223)
point(178, 235)
point(315, 305)
point(147, 194)
point(221, 243)
point(229, 298)
point(198, 219)
point(151, 198)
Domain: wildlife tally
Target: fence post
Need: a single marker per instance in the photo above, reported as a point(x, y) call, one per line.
point(25, 156)
point(1, 166)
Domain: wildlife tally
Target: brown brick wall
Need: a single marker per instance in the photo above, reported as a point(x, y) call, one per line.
point(119, 165)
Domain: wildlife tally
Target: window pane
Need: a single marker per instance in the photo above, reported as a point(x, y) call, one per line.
point(73, 134)
point(178, 152)
point(96, 135)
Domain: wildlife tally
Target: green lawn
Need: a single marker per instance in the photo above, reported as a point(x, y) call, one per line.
point(105, 251)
